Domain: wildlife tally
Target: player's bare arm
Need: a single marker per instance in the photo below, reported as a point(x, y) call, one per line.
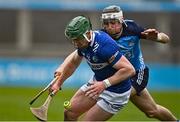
point(66, 69)
point(154, 35)
point(125, 70)
point(72, 61)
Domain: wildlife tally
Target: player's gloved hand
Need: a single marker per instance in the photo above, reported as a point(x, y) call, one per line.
point(150, 34)
point(95, 90)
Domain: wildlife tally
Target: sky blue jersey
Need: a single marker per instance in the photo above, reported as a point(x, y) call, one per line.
point(129, 43)
point(102, 53)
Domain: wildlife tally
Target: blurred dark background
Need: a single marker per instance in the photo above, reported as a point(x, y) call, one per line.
point(33, 44)
point(32, 28)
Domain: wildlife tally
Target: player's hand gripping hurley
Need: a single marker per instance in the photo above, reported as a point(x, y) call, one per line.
point(41, 92)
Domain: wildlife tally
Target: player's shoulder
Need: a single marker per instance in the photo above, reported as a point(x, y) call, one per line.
point(100, 33)
point(130, 27)
point(102, 39)
point(130, 23)
point(101, 36)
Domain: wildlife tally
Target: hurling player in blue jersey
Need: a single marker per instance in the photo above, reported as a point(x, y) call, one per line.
point(110, 87)
point(128, 34)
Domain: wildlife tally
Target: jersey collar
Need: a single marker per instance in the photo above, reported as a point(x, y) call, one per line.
point(92, 38)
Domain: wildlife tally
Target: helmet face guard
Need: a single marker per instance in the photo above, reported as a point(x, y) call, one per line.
point(112, 13)
point(77, 28)
point(109, 16)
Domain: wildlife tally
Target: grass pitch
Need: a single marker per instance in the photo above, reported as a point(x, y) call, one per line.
point(14, 105)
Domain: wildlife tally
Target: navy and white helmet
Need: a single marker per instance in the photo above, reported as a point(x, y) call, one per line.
point(112, 12)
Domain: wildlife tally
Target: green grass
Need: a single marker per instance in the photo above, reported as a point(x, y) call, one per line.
point(14, 105)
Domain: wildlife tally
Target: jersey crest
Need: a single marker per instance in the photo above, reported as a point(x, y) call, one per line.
point(95, 58)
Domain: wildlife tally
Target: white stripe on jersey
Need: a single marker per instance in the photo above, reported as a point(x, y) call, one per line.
point(97, 66)
point(92, 38)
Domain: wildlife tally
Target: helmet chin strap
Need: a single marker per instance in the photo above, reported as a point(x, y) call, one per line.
point(117, 35)
point(85, 35)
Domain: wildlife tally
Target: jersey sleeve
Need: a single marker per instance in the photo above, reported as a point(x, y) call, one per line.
point(134, 28)
point(110, 52)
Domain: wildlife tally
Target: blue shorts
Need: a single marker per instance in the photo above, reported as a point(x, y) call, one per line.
point(140, 80)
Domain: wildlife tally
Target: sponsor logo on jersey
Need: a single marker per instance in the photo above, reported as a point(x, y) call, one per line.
point(97, 66)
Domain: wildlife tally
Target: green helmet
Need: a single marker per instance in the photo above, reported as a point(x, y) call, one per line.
point(77, 27)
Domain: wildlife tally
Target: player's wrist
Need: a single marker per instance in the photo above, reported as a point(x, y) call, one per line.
point(159, 36)
point(163, 38)
point(106, 83)
point(57, 75)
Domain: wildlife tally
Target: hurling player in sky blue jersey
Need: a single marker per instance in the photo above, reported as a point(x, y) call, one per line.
point(128, 34)
point(110, 87)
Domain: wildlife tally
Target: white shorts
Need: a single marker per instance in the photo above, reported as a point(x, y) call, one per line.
point(109, 101)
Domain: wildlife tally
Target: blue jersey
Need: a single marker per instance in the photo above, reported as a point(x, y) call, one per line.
point(102, 53)
point(129, 43)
